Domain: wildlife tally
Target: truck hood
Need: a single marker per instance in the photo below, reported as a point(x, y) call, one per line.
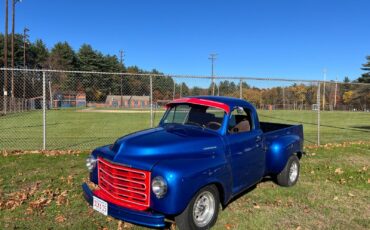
point(145, 148)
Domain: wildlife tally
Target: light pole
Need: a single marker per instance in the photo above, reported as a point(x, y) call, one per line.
point(213, 57)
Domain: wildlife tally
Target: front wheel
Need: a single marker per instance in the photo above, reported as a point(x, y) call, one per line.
point(202, 211)
point(289, 176)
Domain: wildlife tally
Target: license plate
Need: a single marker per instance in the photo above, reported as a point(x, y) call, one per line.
point(100, 205)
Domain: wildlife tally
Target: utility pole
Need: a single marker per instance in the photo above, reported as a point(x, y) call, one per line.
point(181, 89)
point(335, 92)
point(213, 57)
point(323, 96)
point(25, 37)
point(5, 57)
point(283, 97)
point(174, 90)
point(121, 53)
point(13, 28)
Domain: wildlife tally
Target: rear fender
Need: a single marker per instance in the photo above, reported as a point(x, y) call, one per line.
point(279, 151)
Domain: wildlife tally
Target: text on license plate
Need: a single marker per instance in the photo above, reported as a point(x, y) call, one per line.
point(100, 205)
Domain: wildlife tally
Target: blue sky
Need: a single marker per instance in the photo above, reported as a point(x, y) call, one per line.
point(260, 38)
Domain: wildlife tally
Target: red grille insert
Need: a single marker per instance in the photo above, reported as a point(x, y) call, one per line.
point(123, 186)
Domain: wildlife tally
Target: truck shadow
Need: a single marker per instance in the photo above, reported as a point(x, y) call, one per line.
point(253, 187)
point(365, 127)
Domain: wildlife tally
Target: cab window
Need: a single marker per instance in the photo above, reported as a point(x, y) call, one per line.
point(240, 121)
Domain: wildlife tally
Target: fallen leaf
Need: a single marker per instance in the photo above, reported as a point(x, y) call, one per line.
point(62, 198)
point(228, 226)
point(29, 211)
point(70, 180)
point(338, 171)
point(60, 219)
point(350, 194)
point(128, 225)
point(119, 227)
point(368, 181)
point(255, 205)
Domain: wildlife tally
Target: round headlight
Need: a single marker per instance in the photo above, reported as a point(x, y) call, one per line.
point(159, 186)
point(91, 163)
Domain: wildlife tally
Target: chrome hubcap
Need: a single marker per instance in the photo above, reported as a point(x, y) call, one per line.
point(204, 209)
point(293, 172)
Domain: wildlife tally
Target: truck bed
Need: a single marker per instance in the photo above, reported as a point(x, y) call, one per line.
point(273, 131)
point(270, 127)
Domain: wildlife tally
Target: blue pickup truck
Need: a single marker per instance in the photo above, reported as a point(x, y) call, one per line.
point(205, 151)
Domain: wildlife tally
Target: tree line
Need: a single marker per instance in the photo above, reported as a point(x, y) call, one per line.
point(97, 86)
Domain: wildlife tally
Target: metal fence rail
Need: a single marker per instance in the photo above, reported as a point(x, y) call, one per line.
point(51, 109)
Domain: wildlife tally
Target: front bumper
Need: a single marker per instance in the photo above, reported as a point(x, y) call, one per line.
point(149, 219)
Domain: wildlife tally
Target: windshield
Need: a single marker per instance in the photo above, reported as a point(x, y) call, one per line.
point(198, 115)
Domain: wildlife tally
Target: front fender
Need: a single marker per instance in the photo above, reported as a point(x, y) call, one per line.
point(185, 177)
point(279, 152)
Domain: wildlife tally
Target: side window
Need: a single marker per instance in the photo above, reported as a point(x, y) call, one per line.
point(178, 114)
point(240, 121)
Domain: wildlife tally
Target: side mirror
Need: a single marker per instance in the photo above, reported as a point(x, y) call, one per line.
point(240, 110)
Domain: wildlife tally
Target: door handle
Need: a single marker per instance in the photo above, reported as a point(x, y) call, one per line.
point(258, 138)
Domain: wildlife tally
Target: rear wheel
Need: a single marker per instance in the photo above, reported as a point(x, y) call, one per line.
point(202, 211)
point(289, 176)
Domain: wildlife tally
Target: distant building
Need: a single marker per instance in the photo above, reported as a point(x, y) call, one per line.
point(127, 101)
point(69, 99)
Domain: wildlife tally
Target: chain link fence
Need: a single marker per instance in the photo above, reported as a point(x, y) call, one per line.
point(62, 110)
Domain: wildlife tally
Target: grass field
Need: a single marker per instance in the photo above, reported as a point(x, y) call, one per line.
point(43, 192)
point(71, 129)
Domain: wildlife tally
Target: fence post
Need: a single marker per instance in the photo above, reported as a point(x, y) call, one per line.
point(5, 102)
point(151, 101)
point(240, 89)
point(318, 112)
point(43, 110)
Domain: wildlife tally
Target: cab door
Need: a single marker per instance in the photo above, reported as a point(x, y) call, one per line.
point(246, 152)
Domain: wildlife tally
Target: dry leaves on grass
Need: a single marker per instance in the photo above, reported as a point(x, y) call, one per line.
point(45, 152)
point(13, 200)
point(337, 145)
point(48, 195)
